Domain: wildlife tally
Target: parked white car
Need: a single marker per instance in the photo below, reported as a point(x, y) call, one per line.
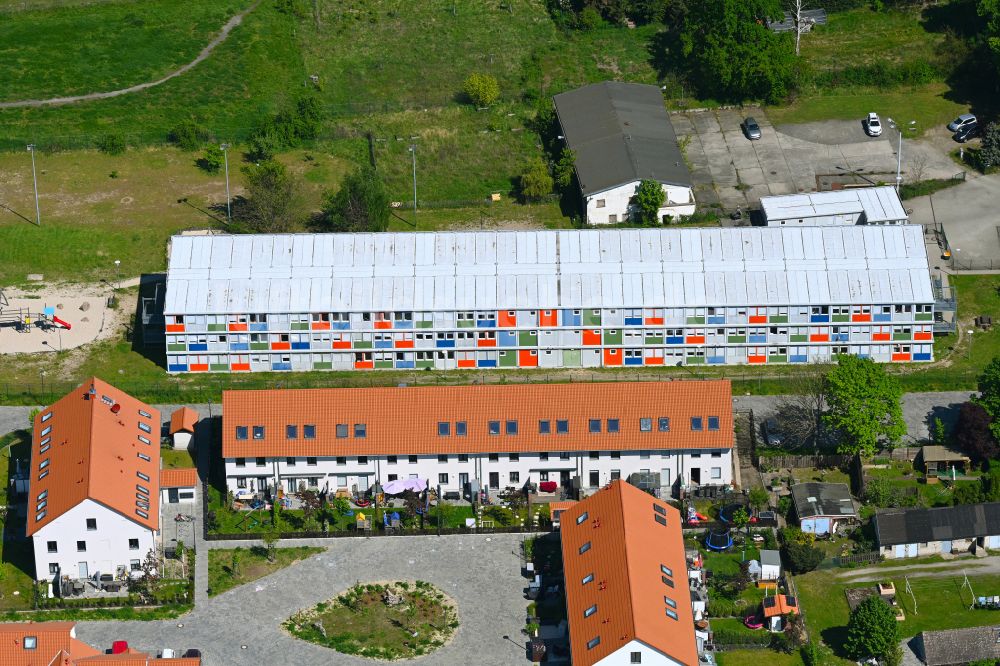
point(873, 126)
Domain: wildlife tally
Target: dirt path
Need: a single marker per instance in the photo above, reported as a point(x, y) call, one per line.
point(978, 567)
point(205, 52)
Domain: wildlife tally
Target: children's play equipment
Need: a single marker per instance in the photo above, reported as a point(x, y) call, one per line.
point(23, 319)
point(718, 540)
point(694, 517)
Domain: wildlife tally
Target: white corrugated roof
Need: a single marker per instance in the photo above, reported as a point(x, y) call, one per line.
point(879, 204)
point(543, 269)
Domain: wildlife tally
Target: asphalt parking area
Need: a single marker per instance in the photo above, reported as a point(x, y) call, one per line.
point(481, 573)
point(735, 172)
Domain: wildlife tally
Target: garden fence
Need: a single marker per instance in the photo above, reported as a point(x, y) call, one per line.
point(873, 557)
point(796, 462)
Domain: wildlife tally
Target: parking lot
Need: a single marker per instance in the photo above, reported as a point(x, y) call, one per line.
point(735, 172)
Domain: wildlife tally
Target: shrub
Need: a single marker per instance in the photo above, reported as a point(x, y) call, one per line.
point(535, 182)
point(188, 135)
point(112, 144)
point(212, 160)
point(589, 19)
point(482, 89)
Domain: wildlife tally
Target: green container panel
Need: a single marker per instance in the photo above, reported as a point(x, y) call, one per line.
point(176, 347)
point(902, 336)
point(508, 359)
point(654, 339)
point(777, 359)
point(696, 320)
point(217, 367)
point(695, 360)
point(571, 358)
point(255, 346)
point(737, 338)
point(322, 366)
point(591, 319)
point(362, 344)
point(300, 326)
point(425, 324)
point(525, 339)
point(798, 338)
point(424, 364)
point(612, 338)
point(466, 323)
point(778, 319)
point(383, 365)
point(924, 316)
point(216, 327)
point(837, 318)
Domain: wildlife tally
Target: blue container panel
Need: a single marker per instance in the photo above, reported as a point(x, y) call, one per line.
point(405, 365)
point(633, 321)
point(675, 340)
point(758, 338)
point(402, 324)
point(508, 339)
point(486, 363)
point(177, 367)
point(921, 357)
point(717, 360)
point(340, 325)
point(633, 361)
point(387, 344)
point(445, 343)
point(486, 323)
point(570, 319)
point(819, 319)
point(798, 358)
point(300, 345)
point(882, 317)
point(281, 366)
point(258, 327)
point(717, 320)
point(197, 347)
point(840, 337)
point(239, 346)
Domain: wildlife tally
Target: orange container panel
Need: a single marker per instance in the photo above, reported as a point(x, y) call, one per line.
point(695, 339)
point(237, 327)
point(900, 357)
point(241, 367)
point(861, 317)
point(819, 337)
point(756, 359)
point(281, 346)
point(527, 358)
point(467, 363)
point(175, 328)
point(198, 367)
point(758, 319)
point(506, 319)
point(591, 337)
point(364, 365)
point(923, 335)
point(548, 318)
point(485, 342)
point(653, 360)
point(321, 326)
point(383, 324)
point(612, 357)
point(400, 344)
point(881, 337)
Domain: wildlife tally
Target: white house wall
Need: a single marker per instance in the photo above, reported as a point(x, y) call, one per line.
point(709, 467)
point(618, 202)
point(107, 546)
point(623, 656)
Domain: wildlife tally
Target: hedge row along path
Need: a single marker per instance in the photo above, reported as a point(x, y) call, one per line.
point(205, 52)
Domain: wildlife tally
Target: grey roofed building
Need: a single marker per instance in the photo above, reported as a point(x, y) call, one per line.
point(770, 558)
point(620, 133)
point(951, 647)
point(965, 521)
point(823, 499)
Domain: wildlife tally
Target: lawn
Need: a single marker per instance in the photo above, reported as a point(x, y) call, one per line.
point(941, 603)
point(174, 458)
point(756, 658)
point(42, 54)
point(253, 564)
point(383, 621)
point(16, 445)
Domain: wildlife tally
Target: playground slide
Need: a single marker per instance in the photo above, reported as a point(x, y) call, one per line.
point(62, 323)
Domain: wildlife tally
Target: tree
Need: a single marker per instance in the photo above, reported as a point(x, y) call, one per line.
point(864, 406)
point(482, 89)
point(564, 168)
point(802, 25)
point(990, 11)
point(535, 182)
point(649, 198)
point(989, 392)
point(972, 434)
point(802, 558)
point(800, 414)
point(740, 518)
point(360, 205)
point(144, 584)
point(881, 492)
point(727, 47)
point(991, 482)
point(872, 630)
point(758, 498)
point(443, 512)
point(271, 204)
point(270, 538)
point(311, 504)
point(989, 152)
point(188, 135)
point(967, 492)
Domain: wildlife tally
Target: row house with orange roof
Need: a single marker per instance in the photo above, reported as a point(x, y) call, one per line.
point(56, 644)
point(465, 437)
point(584, 298)
point(93, 494)
point(626, 581)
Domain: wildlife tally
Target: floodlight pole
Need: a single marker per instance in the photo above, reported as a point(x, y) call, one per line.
point(225, 157)
point(413, 153)
point(899, 160)
point(34, 180)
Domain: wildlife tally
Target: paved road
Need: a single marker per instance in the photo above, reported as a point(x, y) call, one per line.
point(482, 574)
point(968, 213)
point(205, 52)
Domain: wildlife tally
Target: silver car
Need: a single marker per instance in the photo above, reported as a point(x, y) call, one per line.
point(963, 120)
point(751, 128)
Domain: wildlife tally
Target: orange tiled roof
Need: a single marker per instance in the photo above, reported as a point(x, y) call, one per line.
point(779, 604)
point(180, 477)
point(52, 640)
point(91, 441)
point(403, 421)
point(135, 658)
point(627, 548)
point(183, 420)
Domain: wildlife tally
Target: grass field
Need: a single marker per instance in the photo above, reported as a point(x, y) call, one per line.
point(941, 603)
point(757, 657)
point(253, 564)
point(124, 45)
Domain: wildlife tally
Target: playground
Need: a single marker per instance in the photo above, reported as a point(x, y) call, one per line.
point(54, 319)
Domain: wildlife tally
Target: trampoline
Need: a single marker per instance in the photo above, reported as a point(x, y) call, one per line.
point(726, 513)
point(718, 540)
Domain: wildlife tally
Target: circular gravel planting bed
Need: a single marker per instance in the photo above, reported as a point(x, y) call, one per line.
point(398, 620)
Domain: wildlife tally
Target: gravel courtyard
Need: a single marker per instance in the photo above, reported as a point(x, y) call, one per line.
point(482, 573)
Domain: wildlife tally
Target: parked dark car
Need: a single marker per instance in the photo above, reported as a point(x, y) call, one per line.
point(191, 653)
point(967, 132)
point(751, 128)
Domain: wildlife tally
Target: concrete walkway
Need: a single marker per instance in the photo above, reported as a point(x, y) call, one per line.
point(205, 52)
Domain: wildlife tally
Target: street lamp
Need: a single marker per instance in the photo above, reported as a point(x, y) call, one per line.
point(899, 161)
point(34, 180)
point(225, 156)
point(968, 352)
point(413, 152)
point(118, 274)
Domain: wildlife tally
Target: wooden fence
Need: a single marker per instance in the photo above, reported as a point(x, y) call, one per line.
point(793, 462)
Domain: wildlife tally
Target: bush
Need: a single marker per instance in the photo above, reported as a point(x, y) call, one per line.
point(482, 89)
point(212, 161)
point(188, 135)
point(112, 144)
point(535, 182)
point(802, 558)
point(989, 153)
point(589, 20)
